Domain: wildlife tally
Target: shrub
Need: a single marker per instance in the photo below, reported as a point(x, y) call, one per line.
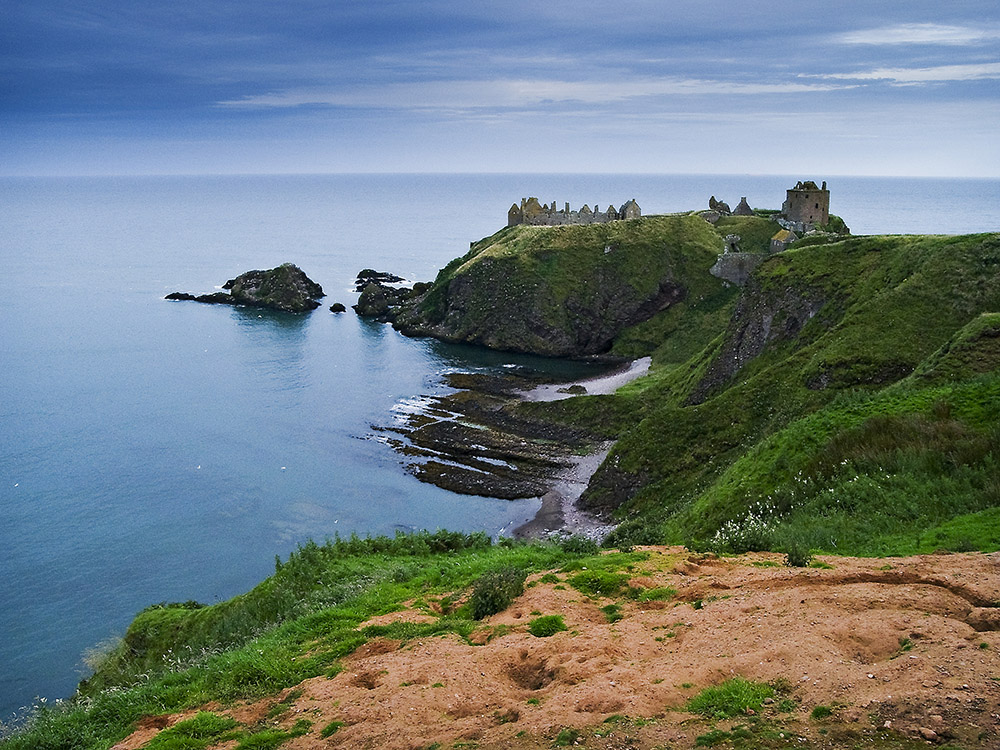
point(731, 698)
point(821, 712)
point(612, 612)
point(567, 737)
point(495, 590)
point(330, 728)
point(579, 545)
point(660, 594)
point(797, 555)
point(546, 625)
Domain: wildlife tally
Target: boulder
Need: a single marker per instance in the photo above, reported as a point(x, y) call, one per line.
point(337, 307)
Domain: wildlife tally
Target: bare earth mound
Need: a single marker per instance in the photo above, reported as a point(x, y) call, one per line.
point(904, 652)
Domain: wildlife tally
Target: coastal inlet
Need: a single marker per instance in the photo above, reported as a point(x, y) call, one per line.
point(477, 440)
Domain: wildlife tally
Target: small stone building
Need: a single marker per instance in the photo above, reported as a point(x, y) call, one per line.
point(782, 239)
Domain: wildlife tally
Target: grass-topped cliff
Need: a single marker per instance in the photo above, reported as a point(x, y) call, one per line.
point(849, 404)
point(569, 290)
point(844, 399)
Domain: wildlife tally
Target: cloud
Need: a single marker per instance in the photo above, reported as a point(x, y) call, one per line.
point(474, 94)
point(909, 76)
point(920, 33)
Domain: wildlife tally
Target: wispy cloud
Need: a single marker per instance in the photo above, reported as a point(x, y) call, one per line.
point(938, 74)
point(473, 94)
point(920, 33)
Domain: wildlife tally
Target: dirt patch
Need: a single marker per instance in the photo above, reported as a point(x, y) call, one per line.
point(889, 645)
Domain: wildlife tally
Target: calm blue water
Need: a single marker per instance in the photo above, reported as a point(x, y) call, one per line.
point(156, 451)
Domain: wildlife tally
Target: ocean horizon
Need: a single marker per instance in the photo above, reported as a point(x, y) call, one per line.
point(158, 451)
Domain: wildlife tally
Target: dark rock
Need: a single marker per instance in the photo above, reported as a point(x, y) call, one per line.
point(373, 302)
point(284, 288)
point(337, 307)
point(369, 276)
point(762, 317)
point(216, 298)
point(379, 301)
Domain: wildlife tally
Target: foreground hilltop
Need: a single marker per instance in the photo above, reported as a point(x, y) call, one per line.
point(391, 644)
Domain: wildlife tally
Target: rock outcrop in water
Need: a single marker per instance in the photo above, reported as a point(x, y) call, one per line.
point(284, 288)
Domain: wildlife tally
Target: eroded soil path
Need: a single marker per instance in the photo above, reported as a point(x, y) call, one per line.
point(905, 652)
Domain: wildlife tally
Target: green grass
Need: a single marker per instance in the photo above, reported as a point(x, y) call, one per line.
point(546, 625)
point(731, 698)
point(884, 307)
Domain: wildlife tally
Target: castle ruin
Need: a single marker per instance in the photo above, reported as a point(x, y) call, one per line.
point(806, 206)
point(533, 213)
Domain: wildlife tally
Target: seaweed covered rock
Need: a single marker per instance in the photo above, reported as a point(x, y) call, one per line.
point(284, 288)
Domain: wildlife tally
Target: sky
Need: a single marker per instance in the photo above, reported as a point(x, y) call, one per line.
point(647, 86)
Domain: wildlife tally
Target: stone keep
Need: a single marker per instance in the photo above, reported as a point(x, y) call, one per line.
point(807, 204)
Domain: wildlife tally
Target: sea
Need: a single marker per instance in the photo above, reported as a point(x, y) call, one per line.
point(158, 451)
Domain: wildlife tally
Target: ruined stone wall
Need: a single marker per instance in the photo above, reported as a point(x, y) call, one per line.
point(533, 213)
point(736, 268)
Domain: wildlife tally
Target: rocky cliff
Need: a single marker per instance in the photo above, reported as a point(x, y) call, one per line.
point(565, 291)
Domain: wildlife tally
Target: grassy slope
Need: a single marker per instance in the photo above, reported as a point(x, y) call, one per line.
point(890, 304)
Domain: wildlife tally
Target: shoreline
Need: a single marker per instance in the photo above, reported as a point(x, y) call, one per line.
point(559, 512)
point(602, 385)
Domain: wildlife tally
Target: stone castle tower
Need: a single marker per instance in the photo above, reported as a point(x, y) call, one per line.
point(807, 205)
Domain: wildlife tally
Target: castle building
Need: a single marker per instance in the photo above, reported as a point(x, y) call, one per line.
point(806, 206)
point(533, 213)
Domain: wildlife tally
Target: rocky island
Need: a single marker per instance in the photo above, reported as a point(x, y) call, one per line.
point(285, 288)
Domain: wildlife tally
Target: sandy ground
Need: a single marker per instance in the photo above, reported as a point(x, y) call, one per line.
point(599, 386)
point(908, 644)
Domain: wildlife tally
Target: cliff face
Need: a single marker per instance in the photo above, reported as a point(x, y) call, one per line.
point(564, 291)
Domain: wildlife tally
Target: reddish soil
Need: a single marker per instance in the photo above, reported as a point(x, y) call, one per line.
point(897, 647)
